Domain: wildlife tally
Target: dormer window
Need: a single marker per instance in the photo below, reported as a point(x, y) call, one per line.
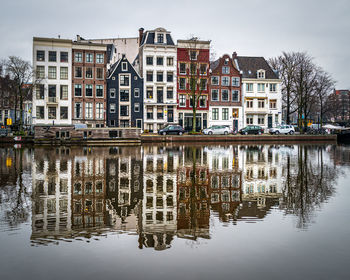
point(261, 74)
point(160, 38)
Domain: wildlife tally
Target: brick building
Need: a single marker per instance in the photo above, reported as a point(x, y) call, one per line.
point(193, 64)
point(89, 83)
point(225, 93)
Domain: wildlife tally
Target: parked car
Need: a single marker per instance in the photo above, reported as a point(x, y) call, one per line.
point(217, 129)
point(251, 129)
point(282, 129)
point(171, 129)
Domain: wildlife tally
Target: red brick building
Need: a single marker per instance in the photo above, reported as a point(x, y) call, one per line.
point(89, 90)
point(193, 62)
point(225, 93)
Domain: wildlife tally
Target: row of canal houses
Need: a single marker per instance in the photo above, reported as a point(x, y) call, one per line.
point(144, 82)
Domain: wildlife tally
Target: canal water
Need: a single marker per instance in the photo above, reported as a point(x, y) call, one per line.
point(175, 212)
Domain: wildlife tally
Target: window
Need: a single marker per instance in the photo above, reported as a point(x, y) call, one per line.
point(124, 95)
point(203, 69)
point(137, 107)
point(225, 81)
point(182, 100)
point(214, 95)
point(193, 68)
point(78, 72)
point(215, 114)
point(124, 123)
point(52, 56)
point(112, 108)
point(249, 87)
point(40, 91)
point(273, 103)
point(40, 72)
point(64, 56)
point(261, 74)
point(40, 55)
point(64, 73)
point(77, 110)
point(52, 93)
point(235, 95)
point(99, 73)
point(149, 112)
point(261, 103)
point(261, 120)
point(182, 83)
point(99, 110)
point(40, 112)
point(160, 38)
point(170, 77)
point(78, 57)
point(249, 119)
point(215, 80)
point(99, 58)
point(124, 80)
point(261, 87)
point(63, 113)
point(136, 92)
point(77, 90)
point(170, 61)
point(160, 112)
point(89, 57)
point(235, 81)
point(203, 84)
point(112, 93)
point(149, 76)
point(182, 68)
point(224, 114)
point(52, 113)
point(224, 95)
point(225, 70)
point(149, 92)
point(88, 90)
point(193, 55)
point(88, 110)
point(88, 73)
point(112, 122)
point(160, 60)
point(249, 103)
point(159, 76)
point(52, 72)
point(99, 90)
point(124, 66)
point(202, 101)
point(124, 111)
point(149, 60)
point(64, 92)
point(169, 93)
point(191, 101)
point(273, 88)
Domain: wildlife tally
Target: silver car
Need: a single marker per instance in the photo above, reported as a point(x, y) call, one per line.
point(217, 129)
point(282, 129)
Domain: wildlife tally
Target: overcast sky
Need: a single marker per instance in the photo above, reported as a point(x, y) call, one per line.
point(253, 27)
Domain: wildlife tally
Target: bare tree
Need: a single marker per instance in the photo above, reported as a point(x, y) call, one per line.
point(22, 74)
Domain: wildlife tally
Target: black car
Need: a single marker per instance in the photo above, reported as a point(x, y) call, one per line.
point(171, 129)
point(251, 129)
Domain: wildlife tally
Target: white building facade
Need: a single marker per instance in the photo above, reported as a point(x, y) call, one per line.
point(52, 96)
point(261, 87)
point(157, 60)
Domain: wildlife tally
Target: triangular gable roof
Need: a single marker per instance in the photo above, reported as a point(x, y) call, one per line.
point(115, 66)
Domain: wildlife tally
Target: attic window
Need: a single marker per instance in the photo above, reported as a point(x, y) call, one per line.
point(193, 55)
point(261, 74)
point(124, 66)
point(160, 38)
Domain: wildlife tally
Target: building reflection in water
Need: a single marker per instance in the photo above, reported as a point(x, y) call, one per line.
point(160, 193)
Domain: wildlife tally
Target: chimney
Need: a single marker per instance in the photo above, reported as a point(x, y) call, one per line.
point(234, 55)
point(78, 38)
point(140, 35)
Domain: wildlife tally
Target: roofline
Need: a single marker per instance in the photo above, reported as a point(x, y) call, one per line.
point(87, 43)
point(118, 62)
point(198, 41)
point(58, 40)
point(112, 38)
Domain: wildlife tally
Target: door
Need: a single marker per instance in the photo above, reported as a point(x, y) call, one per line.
point(235, 125)
point(269, 121)
point(170, 114)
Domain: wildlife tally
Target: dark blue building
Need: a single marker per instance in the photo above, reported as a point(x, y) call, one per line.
point(124, 95)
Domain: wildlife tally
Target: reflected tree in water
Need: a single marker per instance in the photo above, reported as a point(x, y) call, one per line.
point(309, 182)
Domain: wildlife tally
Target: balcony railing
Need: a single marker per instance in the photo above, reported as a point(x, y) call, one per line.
point(52, 99)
